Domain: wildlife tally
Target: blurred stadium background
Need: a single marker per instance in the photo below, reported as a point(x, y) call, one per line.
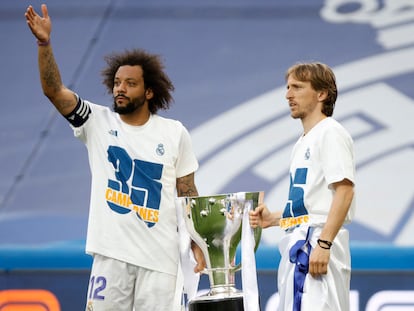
point(227, 60)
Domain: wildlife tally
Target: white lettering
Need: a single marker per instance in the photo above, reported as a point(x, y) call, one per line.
point(368, 11)
point(394, 20)
point(391, 300)
point(334, 12)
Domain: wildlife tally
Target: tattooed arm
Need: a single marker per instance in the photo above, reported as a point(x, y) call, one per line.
point(62, 98)
point(187, 188)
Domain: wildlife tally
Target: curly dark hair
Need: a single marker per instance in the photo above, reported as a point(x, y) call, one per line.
point(321, 78)
point(154, 76)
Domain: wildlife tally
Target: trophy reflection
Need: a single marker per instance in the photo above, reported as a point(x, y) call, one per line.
point(215, 224)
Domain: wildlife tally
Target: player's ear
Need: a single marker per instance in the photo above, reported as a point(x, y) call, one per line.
point(322, 95)
point(149, 94)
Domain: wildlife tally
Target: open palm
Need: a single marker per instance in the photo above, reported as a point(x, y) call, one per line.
point(41, 27)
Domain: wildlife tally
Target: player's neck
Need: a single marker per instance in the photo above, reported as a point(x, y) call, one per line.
point(137, 118)
point(309, 122)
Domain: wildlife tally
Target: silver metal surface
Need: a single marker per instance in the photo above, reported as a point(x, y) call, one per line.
point(215, 224)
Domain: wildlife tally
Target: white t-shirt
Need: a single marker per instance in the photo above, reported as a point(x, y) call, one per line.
point(323, 156)
point(132, 214)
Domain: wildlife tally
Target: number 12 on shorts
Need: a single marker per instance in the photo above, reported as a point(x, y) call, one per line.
point(96, 285)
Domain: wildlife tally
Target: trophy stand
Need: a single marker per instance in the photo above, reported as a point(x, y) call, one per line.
point(215, 223)
point(221, 297)
point(217, 304)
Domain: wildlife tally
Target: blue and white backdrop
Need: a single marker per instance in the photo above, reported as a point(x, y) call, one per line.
point(227, 60)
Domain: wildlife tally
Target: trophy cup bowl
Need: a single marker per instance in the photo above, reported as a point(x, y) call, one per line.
point(215, 224)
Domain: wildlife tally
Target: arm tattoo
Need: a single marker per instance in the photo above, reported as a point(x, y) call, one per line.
point(49, 71)
point(186, 186)
point(62, 104)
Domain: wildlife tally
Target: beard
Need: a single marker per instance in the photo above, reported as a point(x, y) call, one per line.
point(131, 106)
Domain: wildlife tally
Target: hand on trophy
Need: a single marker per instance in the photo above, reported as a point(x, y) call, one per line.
point(262, 217)
point(199, 257)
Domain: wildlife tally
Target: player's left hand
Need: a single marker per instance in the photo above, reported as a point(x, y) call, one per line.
point(41, 26)
point(318, 261)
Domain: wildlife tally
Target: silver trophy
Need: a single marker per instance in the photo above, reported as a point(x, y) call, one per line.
point(215, 224)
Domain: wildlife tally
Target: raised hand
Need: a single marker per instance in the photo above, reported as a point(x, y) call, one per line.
point(41, 27)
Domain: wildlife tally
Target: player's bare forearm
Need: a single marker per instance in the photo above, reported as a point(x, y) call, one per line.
point(186, 186)
point(63, 99)
point(274, 219)
point(344, 193)
point(320, 256)
point(49, 72)
point(41, 26)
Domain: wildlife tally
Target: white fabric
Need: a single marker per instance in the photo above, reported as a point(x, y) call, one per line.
point(143, 162)
point(249, 277)
point(323, 156)
point(327, 293)
point(189, 278)
point(116, 285)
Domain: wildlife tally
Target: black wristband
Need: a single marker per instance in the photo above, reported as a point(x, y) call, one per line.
point(324, 244)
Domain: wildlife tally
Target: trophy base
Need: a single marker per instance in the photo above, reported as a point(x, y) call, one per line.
point(210, 303)
point(221, 304)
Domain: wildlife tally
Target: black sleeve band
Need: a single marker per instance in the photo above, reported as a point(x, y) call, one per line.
point(80, 114)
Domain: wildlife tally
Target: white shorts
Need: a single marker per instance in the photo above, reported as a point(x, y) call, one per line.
point(118, 286)
point(329, 292)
